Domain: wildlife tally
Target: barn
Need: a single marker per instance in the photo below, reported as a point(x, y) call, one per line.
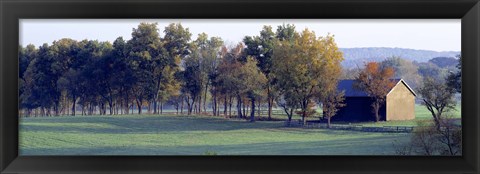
point(399, 104)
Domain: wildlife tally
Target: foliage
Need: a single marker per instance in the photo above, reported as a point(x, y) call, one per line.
point(428, 140)
point(94, 74)
point(253, 83)
point(438, 98)
point(376, 82)
point(261, 49)
point(404, 69)
point(454, 79)
point(444, 62)
point(431, 70)
point(332, 103)
point(305, 69)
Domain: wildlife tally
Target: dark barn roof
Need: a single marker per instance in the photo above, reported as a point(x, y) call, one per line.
point(350, 91)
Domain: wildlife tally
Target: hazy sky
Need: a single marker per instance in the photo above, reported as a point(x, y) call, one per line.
point(428, 34)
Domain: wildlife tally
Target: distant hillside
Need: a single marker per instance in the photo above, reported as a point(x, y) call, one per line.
point(357, 56)
point(444, 62)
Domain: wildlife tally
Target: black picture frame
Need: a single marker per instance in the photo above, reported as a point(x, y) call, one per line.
point(13, 10)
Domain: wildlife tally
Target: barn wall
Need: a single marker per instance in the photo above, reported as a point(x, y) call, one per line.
point(400, 104)
point(358, 109)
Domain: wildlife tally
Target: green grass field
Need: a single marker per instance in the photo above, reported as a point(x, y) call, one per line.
point(194, 135)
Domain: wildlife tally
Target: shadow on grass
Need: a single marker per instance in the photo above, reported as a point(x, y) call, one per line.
point(140, 124)
point(351, 146)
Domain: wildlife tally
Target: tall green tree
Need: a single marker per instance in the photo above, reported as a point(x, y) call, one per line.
point(146, 56)
point(40, 83)
point(123, 72)
point(261, 48)
point(26, 56)
point(177, 47)
point(192, 84)
point(253, 82)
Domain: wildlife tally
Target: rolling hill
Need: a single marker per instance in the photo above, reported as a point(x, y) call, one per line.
point(358, 56)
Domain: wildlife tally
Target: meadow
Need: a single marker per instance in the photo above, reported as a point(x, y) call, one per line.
point(195, 135)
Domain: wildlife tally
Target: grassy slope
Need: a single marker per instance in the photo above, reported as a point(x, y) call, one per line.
point(186, 135)
point(182, 135)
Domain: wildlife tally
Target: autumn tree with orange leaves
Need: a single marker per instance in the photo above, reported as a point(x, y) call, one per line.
point(376, 82)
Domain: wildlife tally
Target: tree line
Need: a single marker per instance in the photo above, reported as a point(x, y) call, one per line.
point(295, 71)
point(285, 68)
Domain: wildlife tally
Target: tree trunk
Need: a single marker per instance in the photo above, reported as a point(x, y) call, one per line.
point(155, 111)
point(328, 121)
point(188, 105)
point(225, 106)
point(304, 111)
point(239, 106)
point(199, 104)
point(376, 108)
point(110, 104)
point(176, 107)
point(205, 98)
point(215, 104)
point(126, 103)
point(73, 105)
point(139, 105)
point(270, 103)
point(149, 108)
point(290, 115)
point(252, 114)
point(259, 112)
point(244, 110)
point(181, 106)
point(230, 107)
point(161, 108)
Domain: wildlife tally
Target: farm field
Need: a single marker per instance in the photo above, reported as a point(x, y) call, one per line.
point(194, 135)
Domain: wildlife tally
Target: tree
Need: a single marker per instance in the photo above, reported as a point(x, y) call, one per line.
point(376, 82)
point(404, 69)
point(428, 69)
point(438, 98)
point(150, 56)
point(40, 86)
point(207, 52)
point(192, 84)
point(330, 98)
point(331, 104)
point(211, 63)
point(89, 54)
point(299, 65)
point(63, 53)
point(261, 48)
point(426, 139)
point(287, 103)
point(454, 79)
point(26, 56)
point(124, 73)
point(104, 75)
point(252, 81)
point(228, 71)
point(286, 32)
point(176, 48)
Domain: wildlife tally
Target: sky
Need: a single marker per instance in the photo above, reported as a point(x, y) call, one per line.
point(421, 34)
